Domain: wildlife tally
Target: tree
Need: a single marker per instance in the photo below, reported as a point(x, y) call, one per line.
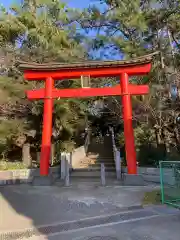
point(40, 31)
point(46, 31)
point(130, 29)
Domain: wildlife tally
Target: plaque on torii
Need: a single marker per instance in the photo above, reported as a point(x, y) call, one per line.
point(51, 72)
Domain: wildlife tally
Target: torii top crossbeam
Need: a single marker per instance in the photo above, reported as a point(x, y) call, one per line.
point(138, 66)
point(60, 71)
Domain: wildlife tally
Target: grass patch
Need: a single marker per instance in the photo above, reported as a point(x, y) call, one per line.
point(4, 165)
point(153, 197)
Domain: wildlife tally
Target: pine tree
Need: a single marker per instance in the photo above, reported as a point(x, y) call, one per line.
point(39, 31)
point(133, 28)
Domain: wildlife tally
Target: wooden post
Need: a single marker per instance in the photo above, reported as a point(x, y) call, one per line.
point(103, 177)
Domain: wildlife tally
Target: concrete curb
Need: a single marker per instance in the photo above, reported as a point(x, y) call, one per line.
point(24, 176)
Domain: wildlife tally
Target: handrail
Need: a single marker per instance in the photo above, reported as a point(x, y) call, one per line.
point(87, 141)
point(113, 141)
point(116, 154)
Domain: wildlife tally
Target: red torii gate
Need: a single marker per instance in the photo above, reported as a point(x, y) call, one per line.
point(55, 71)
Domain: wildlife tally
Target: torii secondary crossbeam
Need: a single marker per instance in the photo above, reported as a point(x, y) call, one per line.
point(55, 71)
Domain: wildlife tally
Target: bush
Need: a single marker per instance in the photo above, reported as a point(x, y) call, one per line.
point(4, 165)
point(153, 197)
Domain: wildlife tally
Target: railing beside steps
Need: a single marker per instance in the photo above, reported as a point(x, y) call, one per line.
point(116, 153)
point(87, 140)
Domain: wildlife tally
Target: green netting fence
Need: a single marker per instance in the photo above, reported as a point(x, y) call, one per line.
point(170, 182)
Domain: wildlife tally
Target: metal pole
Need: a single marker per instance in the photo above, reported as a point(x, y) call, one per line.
point(63, 166)
point(67, 174)
point(162, 181)
point(118, 165)
point(103, 177)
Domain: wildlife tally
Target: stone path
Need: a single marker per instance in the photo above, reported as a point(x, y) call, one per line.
point(25, 206)
point(149, 228)
point(65, 213)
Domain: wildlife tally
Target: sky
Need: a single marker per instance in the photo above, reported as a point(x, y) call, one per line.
point(78, 3)
point(71, 3)
point(5, 2)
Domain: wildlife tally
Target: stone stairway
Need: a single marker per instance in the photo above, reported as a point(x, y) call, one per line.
point(99, 151)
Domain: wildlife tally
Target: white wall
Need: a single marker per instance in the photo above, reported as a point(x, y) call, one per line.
point(77, 155)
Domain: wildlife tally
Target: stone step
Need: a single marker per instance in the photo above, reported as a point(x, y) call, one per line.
point(94, 169)
point(84, 173)
point(96, 155)
point(88, 159)
point(97, 164)
point(84, 182)
point(93, 156)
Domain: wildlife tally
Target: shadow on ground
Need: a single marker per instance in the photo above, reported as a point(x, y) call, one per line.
point(29, 207)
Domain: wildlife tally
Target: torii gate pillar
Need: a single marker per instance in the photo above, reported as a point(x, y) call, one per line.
point(128, 125)
point(47, 127)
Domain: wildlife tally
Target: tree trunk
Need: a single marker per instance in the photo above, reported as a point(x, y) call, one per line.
point(177, 139)
point(159, 141)
point(26, 156)
point(167, 140)
point(38, 158)
point(158, 136)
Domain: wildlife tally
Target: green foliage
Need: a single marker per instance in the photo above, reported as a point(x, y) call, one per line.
point(132, 29)
point(40, 31)
point(5, 165)
point(40, 27)
point(144, 134)
point(153, 197)
point(11, 131)
point(46, 31)
point(149, 153)
point(14, 88)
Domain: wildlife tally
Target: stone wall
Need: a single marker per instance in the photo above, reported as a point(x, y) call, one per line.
point(24, 175)
point(153, 175)
point(77, 155)
point(27, 175)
